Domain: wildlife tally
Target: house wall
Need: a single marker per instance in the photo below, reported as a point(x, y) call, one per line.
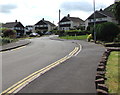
point(65, 25)
point(75, 24)
point(69, 25)
point(99, 20)
point(112, 20)
point(86, 24)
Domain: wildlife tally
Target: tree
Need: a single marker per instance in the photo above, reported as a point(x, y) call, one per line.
point(117, 11)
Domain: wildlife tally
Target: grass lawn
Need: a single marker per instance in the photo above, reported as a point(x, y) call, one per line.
point(112, 74)
point(82, 37)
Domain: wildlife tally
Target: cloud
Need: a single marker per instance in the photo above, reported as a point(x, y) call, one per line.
point(81, 6)
point(7, 8)
point(77, 6)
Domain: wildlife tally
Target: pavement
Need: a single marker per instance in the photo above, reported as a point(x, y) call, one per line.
point(15, 45)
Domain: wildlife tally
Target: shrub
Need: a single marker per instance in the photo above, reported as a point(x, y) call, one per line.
point(9, 33)
point(76, 32)
point(107, 31)
point(6, 40)
point(117, 39)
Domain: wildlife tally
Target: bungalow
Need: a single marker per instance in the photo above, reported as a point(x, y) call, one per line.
point(68, 23)
point(101, 17)
point(44, 26)
point(15, 26)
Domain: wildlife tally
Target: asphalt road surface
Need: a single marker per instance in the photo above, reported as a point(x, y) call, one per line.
point(75, 75)
point(19, 63)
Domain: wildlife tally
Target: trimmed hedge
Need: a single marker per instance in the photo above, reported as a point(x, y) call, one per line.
point(107, 31)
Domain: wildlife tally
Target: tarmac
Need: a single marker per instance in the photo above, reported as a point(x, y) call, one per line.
point(14, 45)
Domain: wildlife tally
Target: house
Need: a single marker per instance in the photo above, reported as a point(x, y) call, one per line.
point(28, 29)
point(101, 16)
point(44, 26)
point(67, 23)
point(15, 26)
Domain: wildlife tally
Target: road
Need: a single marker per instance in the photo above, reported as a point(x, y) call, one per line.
point(19, 63)
point(76, 75)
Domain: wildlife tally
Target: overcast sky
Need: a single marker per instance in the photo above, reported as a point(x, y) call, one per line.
point(29, 12)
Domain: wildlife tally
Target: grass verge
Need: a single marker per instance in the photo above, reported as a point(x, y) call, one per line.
point(112, 74)
point(82, 37)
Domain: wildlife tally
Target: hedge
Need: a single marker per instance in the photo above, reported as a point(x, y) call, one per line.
point(107, 31)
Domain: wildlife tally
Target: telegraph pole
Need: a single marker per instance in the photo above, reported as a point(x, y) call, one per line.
point(94, 21)
point(59, 21)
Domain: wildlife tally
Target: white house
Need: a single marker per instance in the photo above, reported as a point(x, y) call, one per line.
point(44, 26)
point(67, 22)
point(101, 17)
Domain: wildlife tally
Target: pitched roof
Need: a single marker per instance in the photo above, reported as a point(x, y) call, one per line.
point(103, 13)
point(107, 13)
point(97, 15)
point(74, 19)
point(11, 24)
point(48, 22)
point(41, 22)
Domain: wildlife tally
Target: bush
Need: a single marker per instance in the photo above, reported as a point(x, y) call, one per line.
point(106, 31)
point(6, 40)
point(117, 39)
point(9, 33)
point(76, 32)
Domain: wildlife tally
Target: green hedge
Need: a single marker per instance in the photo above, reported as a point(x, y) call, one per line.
point(107, 31)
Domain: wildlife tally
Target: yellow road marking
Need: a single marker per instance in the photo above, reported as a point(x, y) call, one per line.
point(38, 73)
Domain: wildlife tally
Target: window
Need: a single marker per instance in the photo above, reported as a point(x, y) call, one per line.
point(65, 23)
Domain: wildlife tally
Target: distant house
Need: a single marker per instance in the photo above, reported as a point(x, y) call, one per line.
point(28, 29)
point(44, 26)
point(68, 23)
point(15, 26)
point(100, 17)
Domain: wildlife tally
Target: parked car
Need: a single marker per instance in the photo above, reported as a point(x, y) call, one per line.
point(34, 35)
point(48, 33)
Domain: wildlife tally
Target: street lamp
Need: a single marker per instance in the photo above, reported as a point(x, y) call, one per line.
point(94, 21)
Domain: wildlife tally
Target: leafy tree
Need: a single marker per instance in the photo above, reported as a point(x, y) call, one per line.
point(117, 11)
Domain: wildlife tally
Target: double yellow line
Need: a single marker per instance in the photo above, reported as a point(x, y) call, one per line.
point(19, 85)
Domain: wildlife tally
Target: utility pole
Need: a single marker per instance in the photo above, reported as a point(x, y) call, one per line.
point(94, 21)
point(59, 21)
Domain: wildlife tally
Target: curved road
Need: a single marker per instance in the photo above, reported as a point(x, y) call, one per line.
point(19, 63)
point(76, 75)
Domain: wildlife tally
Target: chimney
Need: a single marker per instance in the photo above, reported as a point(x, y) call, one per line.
point(101, 9)
point(15, 20)
point(68, 15)
point(43, 19)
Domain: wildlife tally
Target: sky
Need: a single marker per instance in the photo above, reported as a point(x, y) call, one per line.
point(29, 12)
